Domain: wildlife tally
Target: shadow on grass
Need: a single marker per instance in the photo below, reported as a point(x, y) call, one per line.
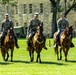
point(20, 61)
point(72, 61)
point(55, 63)
point(5, 63)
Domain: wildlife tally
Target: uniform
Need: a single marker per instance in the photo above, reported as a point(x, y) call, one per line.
point(32, 28)
point(62, 23)
point(7, 24)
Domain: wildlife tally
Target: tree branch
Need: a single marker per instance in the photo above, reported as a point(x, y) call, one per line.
point(53, 2)
point(70, 9)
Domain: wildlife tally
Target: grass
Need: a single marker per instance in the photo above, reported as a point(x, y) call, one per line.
point(49, 65)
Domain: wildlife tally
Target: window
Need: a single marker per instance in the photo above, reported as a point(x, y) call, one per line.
point(25, 24)
point(7, 9)
point(16, 24)
point(30, 8)
point(41, 7)
point(24, 8)
point(16, 9)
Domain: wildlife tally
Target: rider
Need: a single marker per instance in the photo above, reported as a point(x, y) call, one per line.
point(32, 28)
point(7, 24)
point(62, 23)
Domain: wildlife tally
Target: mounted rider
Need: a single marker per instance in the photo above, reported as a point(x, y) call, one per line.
point(7, 24)
point(62, 23)
point(32, 28)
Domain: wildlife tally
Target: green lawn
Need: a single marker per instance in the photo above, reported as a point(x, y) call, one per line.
point(49, 65)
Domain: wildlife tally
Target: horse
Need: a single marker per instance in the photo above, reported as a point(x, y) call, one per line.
point(37, 43)
point(65, 42)
point(8, 44)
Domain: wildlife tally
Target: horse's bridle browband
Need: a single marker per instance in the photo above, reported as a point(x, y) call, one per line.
point(38, 41)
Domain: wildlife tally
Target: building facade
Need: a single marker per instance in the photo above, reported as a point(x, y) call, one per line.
point(23, 12)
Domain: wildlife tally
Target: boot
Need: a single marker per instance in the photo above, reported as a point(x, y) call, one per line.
point(16, 44)
point(2, 41)
point(72, 45)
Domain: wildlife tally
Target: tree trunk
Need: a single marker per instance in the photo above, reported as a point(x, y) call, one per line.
point(54, 23)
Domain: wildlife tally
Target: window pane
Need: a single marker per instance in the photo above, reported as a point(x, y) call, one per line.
point(24, 8)
point(41, 7)
point(30, 8)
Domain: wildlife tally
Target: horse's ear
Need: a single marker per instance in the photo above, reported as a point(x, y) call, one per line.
point(42, 23)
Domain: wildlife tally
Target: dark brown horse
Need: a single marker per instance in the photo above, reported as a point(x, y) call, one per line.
point(8, 44)
point(65, 42)
point(37, 43)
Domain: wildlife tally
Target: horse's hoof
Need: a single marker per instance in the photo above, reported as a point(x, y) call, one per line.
point(6, 60)
point(66, 60)
point(31, 60)
point(60, 58)
point(40, 62)
point(36, 60)
point(57, 58)
point(11, 60)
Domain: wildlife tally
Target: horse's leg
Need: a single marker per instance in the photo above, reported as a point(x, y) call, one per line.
point(32, 56)
point(12, 54)
point(31, 53)
point(61, 53)
point(39, 57)
point(7, 56)
point(56, 51)
point(3, 53)
point(66, 53)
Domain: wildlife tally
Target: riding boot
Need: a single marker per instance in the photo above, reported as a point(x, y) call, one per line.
point(2, 40)
point(16, 43)
point(44, 43)
point(72, 45)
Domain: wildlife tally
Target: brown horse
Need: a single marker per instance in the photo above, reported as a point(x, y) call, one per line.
point(8, 44)
point(37, 43)
point(65, 42)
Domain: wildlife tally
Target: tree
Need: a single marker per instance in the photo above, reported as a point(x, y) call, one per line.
point(54, 23)
point(5, 1)
point(55, 4)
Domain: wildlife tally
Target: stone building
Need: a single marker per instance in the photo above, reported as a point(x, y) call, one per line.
point(23, 12)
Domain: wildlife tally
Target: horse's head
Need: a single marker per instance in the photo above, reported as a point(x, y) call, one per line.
point(10, 33)
point(68, 31)
point(40, 29)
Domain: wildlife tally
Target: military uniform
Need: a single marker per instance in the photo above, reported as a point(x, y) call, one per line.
point(62, 24)
point(32, 28)
point(7, 24)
